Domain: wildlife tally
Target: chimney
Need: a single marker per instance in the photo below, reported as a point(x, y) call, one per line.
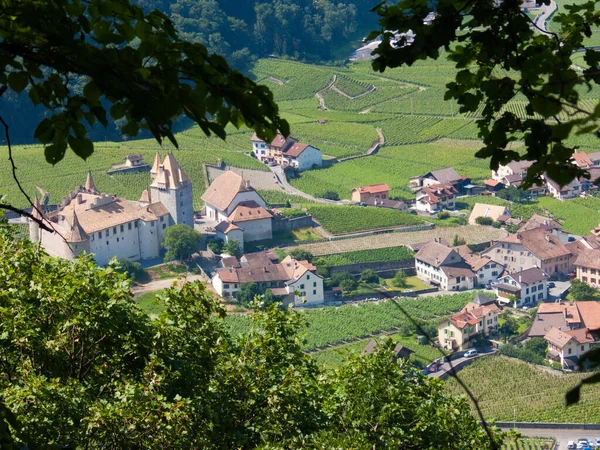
point(548, 237)
point(247, 184)
point(79, 199)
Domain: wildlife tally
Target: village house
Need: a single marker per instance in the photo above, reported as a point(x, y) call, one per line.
point(442, 266)
point(400, 352)
point(530, 248)
point(587, 267)
point(513, 171)
point(371, 192)
point(109, 226)
point(287, 152)
point(478, 319)
point(493, 186)
point(570, 190)
point(237, 208)
point(435, 198)
point(486, 271)
point(445, 176)
point(522, 288)
point(494, 212)
point(585, 160)
point(571, 329)
point(295, 281)
point(134, 159)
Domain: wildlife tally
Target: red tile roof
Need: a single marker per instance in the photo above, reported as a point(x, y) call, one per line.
point(373, 188)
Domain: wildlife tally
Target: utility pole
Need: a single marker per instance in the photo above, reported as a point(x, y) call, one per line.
point(515, 418)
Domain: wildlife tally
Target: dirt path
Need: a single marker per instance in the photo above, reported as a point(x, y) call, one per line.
point(371, 150)
point(157, 285)
point(473, 234)
point(320, 97)
point(339, 91)
point(275, 80)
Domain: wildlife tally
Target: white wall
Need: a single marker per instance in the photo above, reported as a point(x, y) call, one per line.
point(429, 273)
point(257, 230)
point(309, 157)
point(260, 150)
point(489, 273)
point(310, 287)
point(245, 197)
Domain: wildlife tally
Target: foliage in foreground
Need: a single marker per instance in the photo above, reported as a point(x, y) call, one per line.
point(83, 366)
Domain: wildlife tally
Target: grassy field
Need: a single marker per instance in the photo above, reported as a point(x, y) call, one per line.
point(502, 385)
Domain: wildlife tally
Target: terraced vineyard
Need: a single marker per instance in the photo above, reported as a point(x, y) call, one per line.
point(538, 394)
point(399, 253)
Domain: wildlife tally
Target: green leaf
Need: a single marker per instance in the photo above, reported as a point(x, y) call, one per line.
point(91, 91)
point(18, 81)
point(45, 131)
point(82, 147)
point(56, 152)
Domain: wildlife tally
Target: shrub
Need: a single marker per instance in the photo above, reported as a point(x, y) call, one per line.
point(348, 285)
point(496, 224)
point(458, 240)
point(232, 247)
point(369, 276)
point(301, 255)
point(216, 246)
point(330, 195)
point(484, 220)
point(399, 279)
point(443, 215)
point(131, 268)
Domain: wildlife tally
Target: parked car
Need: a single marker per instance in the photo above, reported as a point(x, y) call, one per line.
point(583, 444)
point(597, 442)
point(571, 445)
point(433, 367)
point(470, 353)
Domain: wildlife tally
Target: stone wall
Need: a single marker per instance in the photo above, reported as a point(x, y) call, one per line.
point(383, 266)
point(281, 223)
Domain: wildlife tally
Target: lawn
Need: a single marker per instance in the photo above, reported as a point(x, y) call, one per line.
point(149, 303)
point(413, 283)
point(503, 385)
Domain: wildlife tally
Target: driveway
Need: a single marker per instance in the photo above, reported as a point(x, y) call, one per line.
point(561, 435)
point(457, 363)
point(559, 290)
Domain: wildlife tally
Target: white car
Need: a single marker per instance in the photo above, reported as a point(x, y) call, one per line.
point(470, 353)
point(571, 445)
point(583, 443)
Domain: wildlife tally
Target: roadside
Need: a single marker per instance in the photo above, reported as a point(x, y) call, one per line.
point(156, 285)
point(561, 435)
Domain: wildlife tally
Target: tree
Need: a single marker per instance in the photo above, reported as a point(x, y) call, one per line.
point(458, 241)
point(581, 291)
point(348, 285)
point(130, 268)
point(330, 195)
point(512, 194)
point(232, 247)
point(484, 220)
point(509, 327)
point(216, 246)
point(537, 346)
point(82, 365)
point(369, 276)
point(301, 255)
point(399, 279)
point(181, 241)
point(247, 293)
point(501, 54)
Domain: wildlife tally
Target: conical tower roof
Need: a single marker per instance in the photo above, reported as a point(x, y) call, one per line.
point(171, 175)
point(146, 196)
point(89, 183)
point(76, 233)
point(156, 165)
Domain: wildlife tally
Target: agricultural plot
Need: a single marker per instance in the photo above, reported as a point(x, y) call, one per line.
point(539, 394)
point(394, 166)
point(349, 219)
point(337, 138)
point(385, 91)
point(399, 253)
point(528, 444)
point(352, 87)
point(328, 326)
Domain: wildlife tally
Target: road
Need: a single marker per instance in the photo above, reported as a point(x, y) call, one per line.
point(542, 18)
point(561, 435)
point(456, 363)
point(156, 285)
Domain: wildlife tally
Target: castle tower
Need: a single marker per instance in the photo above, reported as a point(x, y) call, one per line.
point(155, 166)
point(171, 186)
point(89, 183)
point(34, 227)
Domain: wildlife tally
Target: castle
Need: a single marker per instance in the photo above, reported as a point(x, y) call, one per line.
point(109, 226)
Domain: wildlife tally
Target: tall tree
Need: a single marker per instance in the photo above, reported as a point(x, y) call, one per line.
point(181, 241)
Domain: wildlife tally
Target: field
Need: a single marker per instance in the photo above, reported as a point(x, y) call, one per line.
point(528, 444)
point(348, 219)
point(400, 253)
point(329, 326)
point(538, 395)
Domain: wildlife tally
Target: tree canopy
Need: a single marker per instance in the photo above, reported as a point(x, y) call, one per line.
point(502, 55)
point(181, 241)
point(132, 65)
point(83, 366)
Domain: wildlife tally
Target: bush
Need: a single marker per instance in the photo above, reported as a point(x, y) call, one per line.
point(443, 215)
point(131, 268)
point(458, 241)
point(484, 220)
point(399, 279)
point(216, 246)
point(581, 291)
point(232, 247)
point(330, 195)
point(496, 224)
point(301, 255)
point(348, 285)
point(520, 353)
point(369, 276)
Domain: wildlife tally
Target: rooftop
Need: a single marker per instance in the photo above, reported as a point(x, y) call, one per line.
point(224, 188)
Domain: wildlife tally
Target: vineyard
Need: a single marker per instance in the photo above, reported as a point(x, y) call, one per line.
point(349, 219)
point(528, 444)
point(328, 326)
point(539, 394)
point(400, 253)
point(352, 87)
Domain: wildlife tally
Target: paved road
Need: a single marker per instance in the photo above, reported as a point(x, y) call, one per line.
point(456, 363)
point(562, 436)
point(547, 11)
point(163, 284)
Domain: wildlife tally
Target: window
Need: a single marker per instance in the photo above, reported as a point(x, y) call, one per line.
point(129, 226)
point(135, 224)
point(584, 269)
point(114, 230)
point(495, 273)
point(106, 242)
point(315, 293)
point(569, 352)
point(122, 228)
point(99, 234)
point(162, 218)
point(315, 284)
point(582, 347)
point(152, 223)
point(226, 286)
point(301, 286)
point(164, 226)
point(92, 236)
point(117, 239)
point(584, 279)
point(534, 288)
point(592, 280)
point(303, 294)
point(540, 295)
point(107, 232)
point(181, 203)
point(181, 193)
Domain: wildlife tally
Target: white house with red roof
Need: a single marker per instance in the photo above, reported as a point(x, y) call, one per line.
point(287, 152)
point(435, 198)
point(371, 192)
point(237, 208)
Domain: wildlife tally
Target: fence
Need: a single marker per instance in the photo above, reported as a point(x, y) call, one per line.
point(550, 425)
point(293, 223)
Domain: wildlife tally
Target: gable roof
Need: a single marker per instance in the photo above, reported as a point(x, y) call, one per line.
point(560, 338)
point(246, 211)
point(529, 276)
point(134, 157)
point(482, 300)
point(484, 210)
point(226, 227)
point(588, 257)
point(473, 315)
point(435, 253)
point(518, 167)
point(446, 175)
point(296, 149)
point(373, 188)
point(570, 185)
point(224, 188)
point(436, 192)
point(537, 221)
point(540, 242)
point(590, 314)
point(457, 270)
point(582, 159)
point(295, 269)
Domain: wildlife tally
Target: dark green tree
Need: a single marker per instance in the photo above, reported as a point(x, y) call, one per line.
point(369, 276)
point(581, 291)
point(181, 241)
point(330, 195)
point(484, 220)
point(458, 241)
point(348, 284)
point(132, 269)
point(399, 279)
point(301, 255)
point(232, 247)
point(509, 327)
point(501, 55)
